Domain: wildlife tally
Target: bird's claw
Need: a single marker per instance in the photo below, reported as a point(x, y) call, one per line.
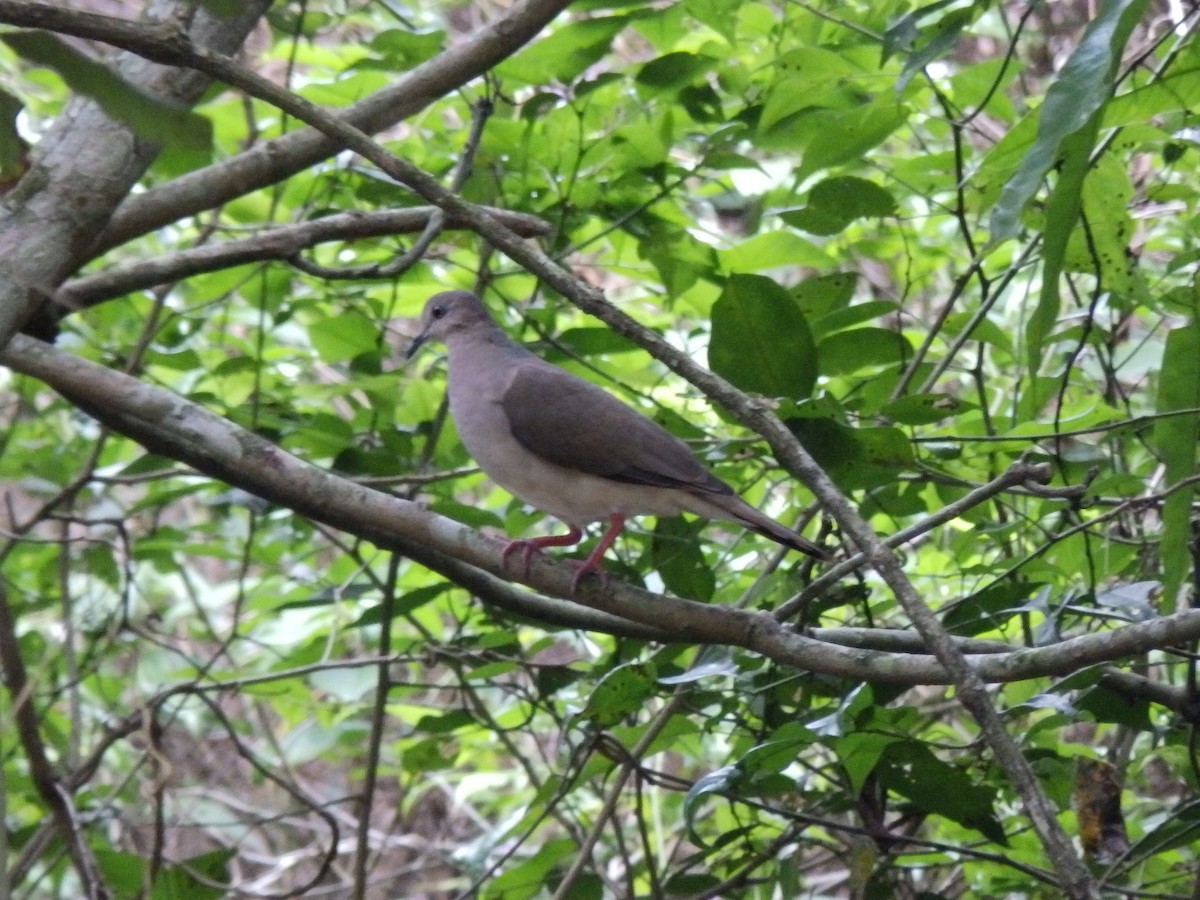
point(527, 548)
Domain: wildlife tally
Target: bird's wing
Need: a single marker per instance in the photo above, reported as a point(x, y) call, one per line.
point(574, 424)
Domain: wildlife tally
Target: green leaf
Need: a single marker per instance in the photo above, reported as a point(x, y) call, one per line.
point(846, 352)
point(622, 692)
point(836, 202)
point(122, 872)
point(402, 48)
point(824, 294)
point(855, 457)
point(716, 782)
point(770, 251)
point(676, 555)
point(565, 54)
point(760, 340)
point(719, 15)
point(1062, 212)
point(1102, 248)
point(152, 118)
point(1175, 439)
point(776, 754)
point(845, 136)
point(850, 316)
point(529, 878)
point(859, 752)
point(989, 608)
point(590, 342)
point(198, 878)
point(672, 72)
point(13, 148)
point(343, 336)
point(447, 723)
point(912, 771)
point(940, 39)
point(1107, 705)
point(925, 409)
point(1072, 104)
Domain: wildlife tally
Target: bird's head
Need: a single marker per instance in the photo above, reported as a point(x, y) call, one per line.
point(447, 313)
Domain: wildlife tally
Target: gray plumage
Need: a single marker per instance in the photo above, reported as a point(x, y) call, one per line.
point(564, 445)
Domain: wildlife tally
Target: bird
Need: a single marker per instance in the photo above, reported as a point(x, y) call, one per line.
point(565, 445)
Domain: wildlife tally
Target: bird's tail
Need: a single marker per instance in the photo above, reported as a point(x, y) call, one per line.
point(731, 506)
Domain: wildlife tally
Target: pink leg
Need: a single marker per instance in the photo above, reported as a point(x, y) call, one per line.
point(594, 561)
point(534, 545)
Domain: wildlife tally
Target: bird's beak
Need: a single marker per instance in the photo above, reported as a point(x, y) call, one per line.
point(417, 343)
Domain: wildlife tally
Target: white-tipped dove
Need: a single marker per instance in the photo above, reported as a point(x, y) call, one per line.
point(567, 447)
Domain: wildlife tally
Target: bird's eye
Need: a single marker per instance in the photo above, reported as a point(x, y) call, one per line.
point(438, 311)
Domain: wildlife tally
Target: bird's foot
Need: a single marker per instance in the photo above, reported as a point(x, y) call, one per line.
point(530, 546)
point(527, 548)
point(588, 566)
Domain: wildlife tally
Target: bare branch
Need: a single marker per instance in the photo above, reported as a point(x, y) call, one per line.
point(171, 425)
point(280, 242)
point(275, 160)
point(86, 163)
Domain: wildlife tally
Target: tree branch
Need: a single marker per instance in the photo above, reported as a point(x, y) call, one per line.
point(279, 242)
point(175, 427)
point(86, 163)
point(275, 160)
point(54, 792)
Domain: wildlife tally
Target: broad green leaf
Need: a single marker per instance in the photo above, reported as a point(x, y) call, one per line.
point(1107, 705)
point(1101, 248)
point(343, 336)
point(925, 409)
point(591, 342)
point(1178, 89)
point(197, 878)
point(719, 15)
point(1062, 213)
point(938, 40)
point(622, 692)
point(849, 316)
point(673, 71)
point(859, 752)
point(402, 48)
point(855, 457)
point(808, 77)
point(447, 723)
point(121, 871)
point(565, 54)
point(844, 352)
point(989, 608)
point(1175, 439)
point(1074, 101)
point(676, 555)
point(936, 787)
point(760, 339)
point(771, 251)
point(845, 136)
point(152, 118)
point(529, 878)
point(777, 753)
point(823, 294)
point(836, 202)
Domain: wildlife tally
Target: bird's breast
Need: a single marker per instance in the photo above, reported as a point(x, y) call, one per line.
point(573, 496)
